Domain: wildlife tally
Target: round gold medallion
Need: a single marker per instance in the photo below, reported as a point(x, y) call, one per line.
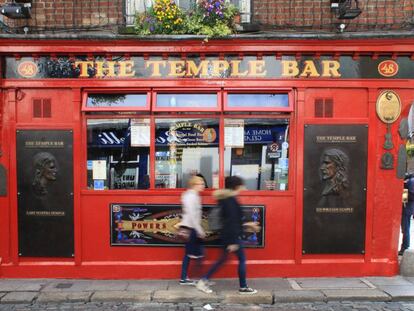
point(388, 106)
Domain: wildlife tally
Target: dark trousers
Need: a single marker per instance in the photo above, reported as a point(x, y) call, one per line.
point(186, 264)
point(405, 225)
point(242, 265)
point(193, 250)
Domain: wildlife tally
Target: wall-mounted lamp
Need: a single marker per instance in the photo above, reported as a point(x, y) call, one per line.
point(344, 9)
point(16, 10)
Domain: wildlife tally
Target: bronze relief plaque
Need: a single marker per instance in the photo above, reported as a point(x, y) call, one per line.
point(45, 193)
point(334, 198)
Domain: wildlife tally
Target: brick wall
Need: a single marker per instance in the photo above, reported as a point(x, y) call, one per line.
point(316, 14)
point(271, 14)
point(71, 14)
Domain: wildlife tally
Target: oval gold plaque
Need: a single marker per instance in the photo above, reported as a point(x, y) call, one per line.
point(388, 106)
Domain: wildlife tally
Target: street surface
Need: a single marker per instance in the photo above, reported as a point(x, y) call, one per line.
point(318, 306)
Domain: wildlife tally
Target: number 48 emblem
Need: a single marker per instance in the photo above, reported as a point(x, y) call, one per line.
point(388, 68)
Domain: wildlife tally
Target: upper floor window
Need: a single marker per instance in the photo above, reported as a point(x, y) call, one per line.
point(138, 6)
point(135, 6)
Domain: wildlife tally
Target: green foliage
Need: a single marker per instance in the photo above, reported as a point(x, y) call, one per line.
point(211, 18)
point(164, 17)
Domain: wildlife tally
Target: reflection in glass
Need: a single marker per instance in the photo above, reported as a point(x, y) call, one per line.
point(186, 147)
point(116, 100)
point(263, 161)
point(124, 166)
point(258, 100)
point(187, 100)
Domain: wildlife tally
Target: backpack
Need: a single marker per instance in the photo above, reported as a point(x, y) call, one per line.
point(214, 219)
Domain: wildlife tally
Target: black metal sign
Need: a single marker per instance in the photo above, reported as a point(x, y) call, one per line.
point(45, 193)
point(334, 199)
point(139, 224)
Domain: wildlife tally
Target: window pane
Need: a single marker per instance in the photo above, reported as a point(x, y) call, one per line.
point(185, 147)
point(258, 100)
point(135, 6)
point(260, 154)
point(116, 100)
point(138, 6)
point(185, 4)
point(187, 100)
point(112, 162)
point(244, 7)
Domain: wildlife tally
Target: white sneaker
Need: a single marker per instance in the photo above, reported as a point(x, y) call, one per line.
point(187, 282)
point(203, 286)
point(247, 291)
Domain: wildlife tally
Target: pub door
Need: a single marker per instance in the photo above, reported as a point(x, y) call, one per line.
point(45, 193)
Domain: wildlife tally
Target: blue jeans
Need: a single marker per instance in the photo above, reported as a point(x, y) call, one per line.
point(405, 226)
point(242, 265)
point(186, 264)
point(193, 249)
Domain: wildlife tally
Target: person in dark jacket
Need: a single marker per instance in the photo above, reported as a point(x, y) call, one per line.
point(407, 213)
point(232, 229)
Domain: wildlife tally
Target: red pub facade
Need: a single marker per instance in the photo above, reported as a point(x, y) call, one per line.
point(98, 140)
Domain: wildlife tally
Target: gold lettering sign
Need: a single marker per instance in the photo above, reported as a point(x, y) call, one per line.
point(388, 106)
point(44, 144)
point(207, 68)
point(336, 139)
point(46, 213)
point(335, 210)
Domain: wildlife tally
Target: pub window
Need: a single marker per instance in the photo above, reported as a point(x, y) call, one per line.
point(186, 142)
point(258, 151)
point(137, 6)
point(188, 101)
point(258, 100)
point(186, 147)
point(118, 153)
point(245, 8)
point(116, 101)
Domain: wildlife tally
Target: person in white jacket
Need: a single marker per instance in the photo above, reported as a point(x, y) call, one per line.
point(191, 220)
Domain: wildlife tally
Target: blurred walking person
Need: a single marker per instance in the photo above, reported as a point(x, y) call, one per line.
point(231, 231)
point(407, 213)
point(191, 220)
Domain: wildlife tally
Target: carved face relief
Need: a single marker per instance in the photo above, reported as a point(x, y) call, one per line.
point(328, 168)
point(50, 170)
point(46, 170)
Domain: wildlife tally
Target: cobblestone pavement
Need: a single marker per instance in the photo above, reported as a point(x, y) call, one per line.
point(318, 306)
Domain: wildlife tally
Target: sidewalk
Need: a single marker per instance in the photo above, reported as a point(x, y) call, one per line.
point(270, 291)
